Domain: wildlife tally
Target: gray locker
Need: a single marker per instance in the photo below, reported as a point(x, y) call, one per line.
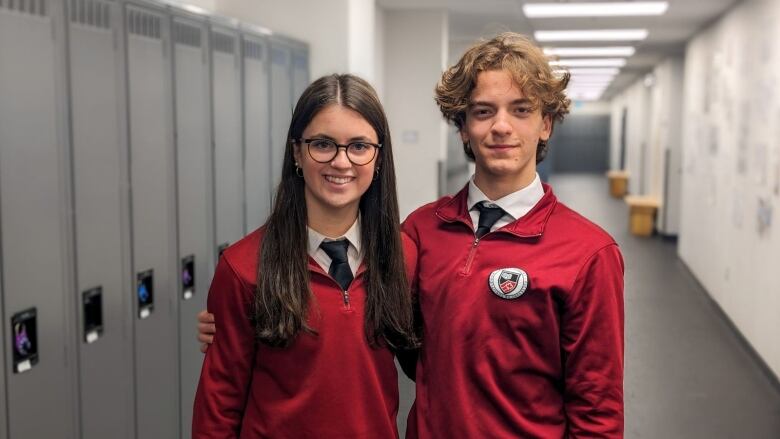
point(195, 195)
point(281, 105)
point(3, 412)
point(40, 369)
point(153, 219)
point(101, 210)
point(257, 138)
point(300, 70)
point(228, 148)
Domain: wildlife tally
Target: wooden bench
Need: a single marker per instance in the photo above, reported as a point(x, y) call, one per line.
point(618, 183)
point(642, 210)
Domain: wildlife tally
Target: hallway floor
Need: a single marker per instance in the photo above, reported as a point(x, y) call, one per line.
point(687, 375)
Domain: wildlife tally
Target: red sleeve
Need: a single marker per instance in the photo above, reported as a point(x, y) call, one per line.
point(226, 374)
point(592, 341)
point(407, 358)
point(410, 258)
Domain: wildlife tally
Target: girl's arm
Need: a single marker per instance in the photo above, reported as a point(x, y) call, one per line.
point(227, 367)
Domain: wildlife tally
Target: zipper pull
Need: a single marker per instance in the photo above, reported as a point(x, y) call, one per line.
point(346, 298)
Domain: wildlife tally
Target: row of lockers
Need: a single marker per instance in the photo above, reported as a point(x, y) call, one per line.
point(136, 141)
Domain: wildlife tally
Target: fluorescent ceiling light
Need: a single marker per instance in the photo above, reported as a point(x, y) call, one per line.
point(591, 35)
point(602, 9)
point(592, 78)
point(586, 90)
point(600, 87)
point(590, 71)
point(590, 83)
point(590, 51)
point(584, 96)
point(195, 9)
point(589, 62)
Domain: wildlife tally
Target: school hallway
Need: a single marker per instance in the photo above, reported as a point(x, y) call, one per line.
point(687, 373)
point(139, 139)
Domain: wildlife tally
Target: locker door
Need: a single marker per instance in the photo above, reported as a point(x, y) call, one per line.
point(300, 72)
point(3, 410)
point(195, 191)
point(256, 128)
point(34, 223)
point(228, 148)
point(153, 217)
point(281, 106)
point(101, 207)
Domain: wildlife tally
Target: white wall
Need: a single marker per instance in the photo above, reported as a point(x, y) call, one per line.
point(379, 51)
point(637, 98)
point(324, 25)
point(416, 49)
point(615, 122)
point(361, 38)
point(731, 168)
point(653, 135)
point(666, 142)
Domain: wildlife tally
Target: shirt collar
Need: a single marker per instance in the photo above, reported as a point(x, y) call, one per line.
point(352, 235)
point(516, 204)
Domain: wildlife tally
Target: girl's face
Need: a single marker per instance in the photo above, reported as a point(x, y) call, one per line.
point(336, 186)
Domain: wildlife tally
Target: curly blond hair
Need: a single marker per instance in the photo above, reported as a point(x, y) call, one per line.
point(529, 68)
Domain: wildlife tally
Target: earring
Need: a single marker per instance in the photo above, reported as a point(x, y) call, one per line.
point(376, 173)
point(298, 170)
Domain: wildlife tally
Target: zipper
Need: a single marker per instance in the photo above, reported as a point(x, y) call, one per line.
point(470, 259)
point(345, 294)
point(315, 268)
point(473, 251)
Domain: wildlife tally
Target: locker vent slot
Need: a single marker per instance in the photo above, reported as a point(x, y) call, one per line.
point(187, 34)
point(278, 56)
point(144, 24)
point(95, 13)
point(224, 43)
point(299, 62)
point(253, 50)
point(31, 7)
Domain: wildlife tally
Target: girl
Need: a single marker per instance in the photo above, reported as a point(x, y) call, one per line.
point(311, 304)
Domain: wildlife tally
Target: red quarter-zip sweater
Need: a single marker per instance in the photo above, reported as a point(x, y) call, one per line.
point(329, 385)
point(547, 364)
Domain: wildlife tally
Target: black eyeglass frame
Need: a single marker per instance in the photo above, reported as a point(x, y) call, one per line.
point(376, 146)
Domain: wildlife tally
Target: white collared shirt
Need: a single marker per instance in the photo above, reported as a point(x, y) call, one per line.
point(354, 256)
point(516, 204)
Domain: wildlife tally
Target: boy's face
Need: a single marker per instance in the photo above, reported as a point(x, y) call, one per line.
point(503, 129)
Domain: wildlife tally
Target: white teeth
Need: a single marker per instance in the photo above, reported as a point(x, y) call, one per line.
point(338, 180)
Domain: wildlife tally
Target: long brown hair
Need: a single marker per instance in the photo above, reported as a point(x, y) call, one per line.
point(283, 293)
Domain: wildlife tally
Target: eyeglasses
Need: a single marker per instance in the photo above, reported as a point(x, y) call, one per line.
point(325, 150)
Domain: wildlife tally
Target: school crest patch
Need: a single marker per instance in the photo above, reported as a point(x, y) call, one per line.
point(508, 283)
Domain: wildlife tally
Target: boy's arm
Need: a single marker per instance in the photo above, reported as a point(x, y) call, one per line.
point(592, 343)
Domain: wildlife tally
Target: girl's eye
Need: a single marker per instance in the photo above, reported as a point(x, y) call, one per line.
point(322, 144)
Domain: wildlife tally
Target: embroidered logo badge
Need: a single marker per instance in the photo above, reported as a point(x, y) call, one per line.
point(508, 283)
